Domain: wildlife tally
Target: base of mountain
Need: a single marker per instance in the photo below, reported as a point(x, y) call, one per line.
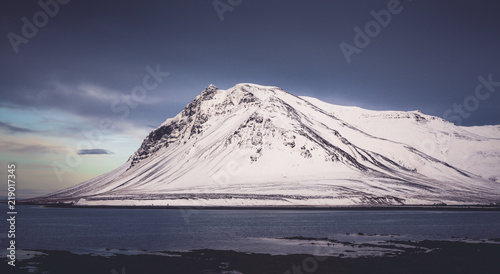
point(443, 257)
point(444, 207)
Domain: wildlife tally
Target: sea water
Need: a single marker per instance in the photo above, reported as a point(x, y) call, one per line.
point(100, 230)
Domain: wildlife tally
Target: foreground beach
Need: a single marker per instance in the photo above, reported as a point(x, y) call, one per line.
point(416, 257)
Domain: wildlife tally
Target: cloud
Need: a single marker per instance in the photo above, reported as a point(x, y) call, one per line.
point(95, 151)
point(30, 147)
point(14, 129)
point(92, 102)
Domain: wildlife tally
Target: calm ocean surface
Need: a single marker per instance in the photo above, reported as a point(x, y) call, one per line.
point(89, 230)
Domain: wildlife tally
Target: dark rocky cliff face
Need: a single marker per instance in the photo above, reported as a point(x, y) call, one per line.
point(189, 123)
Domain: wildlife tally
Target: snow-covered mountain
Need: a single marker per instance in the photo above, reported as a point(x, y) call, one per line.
point(259, 145)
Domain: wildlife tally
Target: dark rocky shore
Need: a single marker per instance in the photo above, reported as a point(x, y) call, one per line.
point(443, 257)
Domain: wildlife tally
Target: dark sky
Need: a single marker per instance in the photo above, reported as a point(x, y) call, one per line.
point(428, 57)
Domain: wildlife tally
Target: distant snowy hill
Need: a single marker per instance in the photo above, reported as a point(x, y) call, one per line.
point(259, 145)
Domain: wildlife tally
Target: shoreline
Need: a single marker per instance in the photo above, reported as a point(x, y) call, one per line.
point(443, 257)
point(374, 208)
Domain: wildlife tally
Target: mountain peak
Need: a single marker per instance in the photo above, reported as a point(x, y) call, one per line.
point(208, 93)
point(210, 89)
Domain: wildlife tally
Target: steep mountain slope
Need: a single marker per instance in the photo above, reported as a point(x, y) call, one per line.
point(258, 145)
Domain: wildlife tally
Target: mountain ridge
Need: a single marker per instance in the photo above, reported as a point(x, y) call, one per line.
point(260, 145)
